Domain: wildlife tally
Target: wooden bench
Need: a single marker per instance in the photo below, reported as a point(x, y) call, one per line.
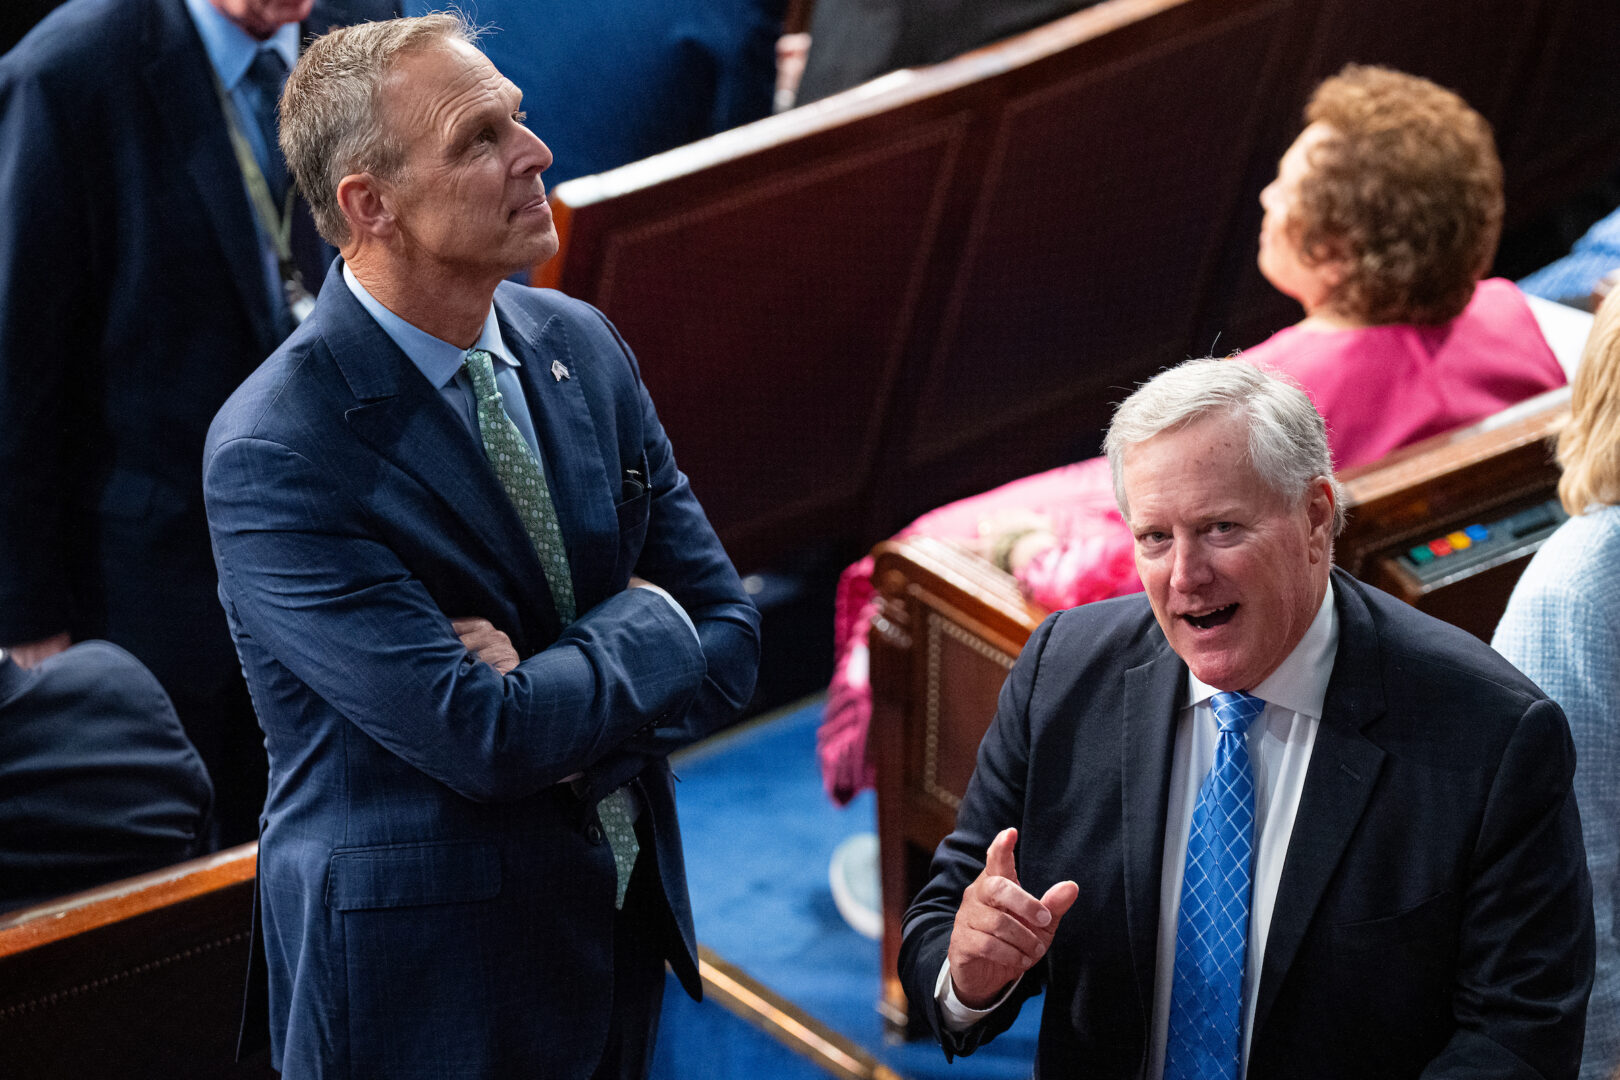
point(950, 624)
point(140, 978)
point(937, 282)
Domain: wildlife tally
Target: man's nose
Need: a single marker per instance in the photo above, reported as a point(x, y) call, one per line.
point(1189, 568)
point(533, 155)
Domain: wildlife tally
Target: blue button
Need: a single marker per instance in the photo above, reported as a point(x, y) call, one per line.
point(1478, 533)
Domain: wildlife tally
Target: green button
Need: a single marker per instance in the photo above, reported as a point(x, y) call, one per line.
point(1420, 554)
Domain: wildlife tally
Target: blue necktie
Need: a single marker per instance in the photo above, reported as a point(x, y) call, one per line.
point(1212, 933)
point(262, 84)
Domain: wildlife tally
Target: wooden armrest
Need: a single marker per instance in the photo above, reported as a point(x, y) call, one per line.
point(1431, 484)
point(960, 584)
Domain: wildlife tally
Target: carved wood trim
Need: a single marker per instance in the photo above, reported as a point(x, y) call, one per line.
point(938, 629)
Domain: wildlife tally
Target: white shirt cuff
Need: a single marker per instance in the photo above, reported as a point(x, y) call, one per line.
point(685, 618)
point(960, 1017)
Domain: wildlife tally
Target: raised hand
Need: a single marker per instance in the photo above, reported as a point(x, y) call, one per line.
point(1001, 930)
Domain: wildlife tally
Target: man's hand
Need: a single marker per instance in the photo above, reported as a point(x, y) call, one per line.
point(487, 643)
point(1001, 930)
point(30, 653)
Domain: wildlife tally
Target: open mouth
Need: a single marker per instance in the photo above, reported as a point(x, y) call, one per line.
point(1210, 620)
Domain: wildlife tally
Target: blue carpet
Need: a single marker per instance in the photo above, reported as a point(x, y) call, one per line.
point(759, 832)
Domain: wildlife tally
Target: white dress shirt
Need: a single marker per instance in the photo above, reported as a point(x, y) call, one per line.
point(1280, 742)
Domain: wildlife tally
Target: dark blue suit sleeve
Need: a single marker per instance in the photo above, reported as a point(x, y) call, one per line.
point(1529, 898)
point(305, 579)
point(683, 555)
point(47, 327)
point(994, 801)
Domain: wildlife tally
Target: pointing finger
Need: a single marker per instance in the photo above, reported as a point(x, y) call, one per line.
point(999, 859)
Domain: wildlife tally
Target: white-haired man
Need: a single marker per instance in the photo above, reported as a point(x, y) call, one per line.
point(1269, 822)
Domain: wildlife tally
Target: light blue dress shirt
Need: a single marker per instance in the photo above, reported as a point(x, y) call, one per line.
point(230, 52)
point(441, 364)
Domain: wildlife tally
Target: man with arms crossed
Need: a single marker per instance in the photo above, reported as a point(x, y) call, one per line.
point(1268, 821)
point(468, 868)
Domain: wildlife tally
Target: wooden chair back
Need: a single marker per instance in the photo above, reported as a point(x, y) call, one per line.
point(140, 978)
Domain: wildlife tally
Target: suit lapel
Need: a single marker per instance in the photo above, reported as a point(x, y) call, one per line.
point(406, 421)
point(181, 93)
point(1343, 770)
point(1147, 750)
point(582, 490)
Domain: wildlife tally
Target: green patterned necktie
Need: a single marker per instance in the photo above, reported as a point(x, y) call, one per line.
point(525, 483)
point(524, 480)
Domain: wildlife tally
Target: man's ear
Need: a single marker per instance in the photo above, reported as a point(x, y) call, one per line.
point(363, 199)
point(1320, 509)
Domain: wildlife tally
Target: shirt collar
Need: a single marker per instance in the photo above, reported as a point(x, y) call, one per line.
point(436, 358)
point(1300, 682)
point(231, 49)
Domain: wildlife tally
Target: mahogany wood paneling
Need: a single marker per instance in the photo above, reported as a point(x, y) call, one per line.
point(943, 279)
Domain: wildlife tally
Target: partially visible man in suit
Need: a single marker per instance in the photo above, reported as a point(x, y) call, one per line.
point(142, 282)
point(467, 868)
point(1268, 821)
point(852, 41)
point(97, 778)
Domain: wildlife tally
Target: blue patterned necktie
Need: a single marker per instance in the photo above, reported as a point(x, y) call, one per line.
point(1212, 933)
point(263, 82)
point(524, 480)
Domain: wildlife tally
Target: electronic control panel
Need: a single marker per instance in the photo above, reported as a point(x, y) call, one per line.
point(1484, 544)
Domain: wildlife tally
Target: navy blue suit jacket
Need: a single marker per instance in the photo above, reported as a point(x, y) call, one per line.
point(436, 900)
point(97, 778)
point(1434, 915)
point(613, 81)
point(135, 302)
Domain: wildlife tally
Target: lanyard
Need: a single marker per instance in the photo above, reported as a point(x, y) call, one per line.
point(277, 224)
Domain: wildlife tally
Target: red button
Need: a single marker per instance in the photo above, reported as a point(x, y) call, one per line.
point(1440, 547)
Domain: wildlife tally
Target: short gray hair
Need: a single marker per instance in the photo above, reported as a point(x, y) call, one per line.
point(1288, 445)
point(330, 110)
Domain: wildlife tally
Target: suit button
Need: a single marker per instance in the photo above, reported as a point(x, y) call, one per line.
point(593, 833)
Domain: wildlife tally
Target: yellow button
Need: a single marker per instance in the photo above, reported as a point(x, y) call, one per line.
point(1459, 540)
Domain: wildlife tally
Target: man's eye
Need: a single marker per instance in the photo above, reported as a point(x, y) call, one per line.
point(1223, 526)
point(520, 116)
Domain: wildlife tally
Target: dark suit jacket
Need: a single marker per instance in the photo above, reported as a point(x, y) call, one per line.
point(852, 41)
point(436, 902)
point(613, 81)
point(97, 778)
point(135, 302)
point(1434, 913)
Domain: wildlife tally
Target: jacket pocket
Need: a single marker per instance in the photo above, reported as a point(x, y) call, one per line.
point(1432, 919)
point(412, 875)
